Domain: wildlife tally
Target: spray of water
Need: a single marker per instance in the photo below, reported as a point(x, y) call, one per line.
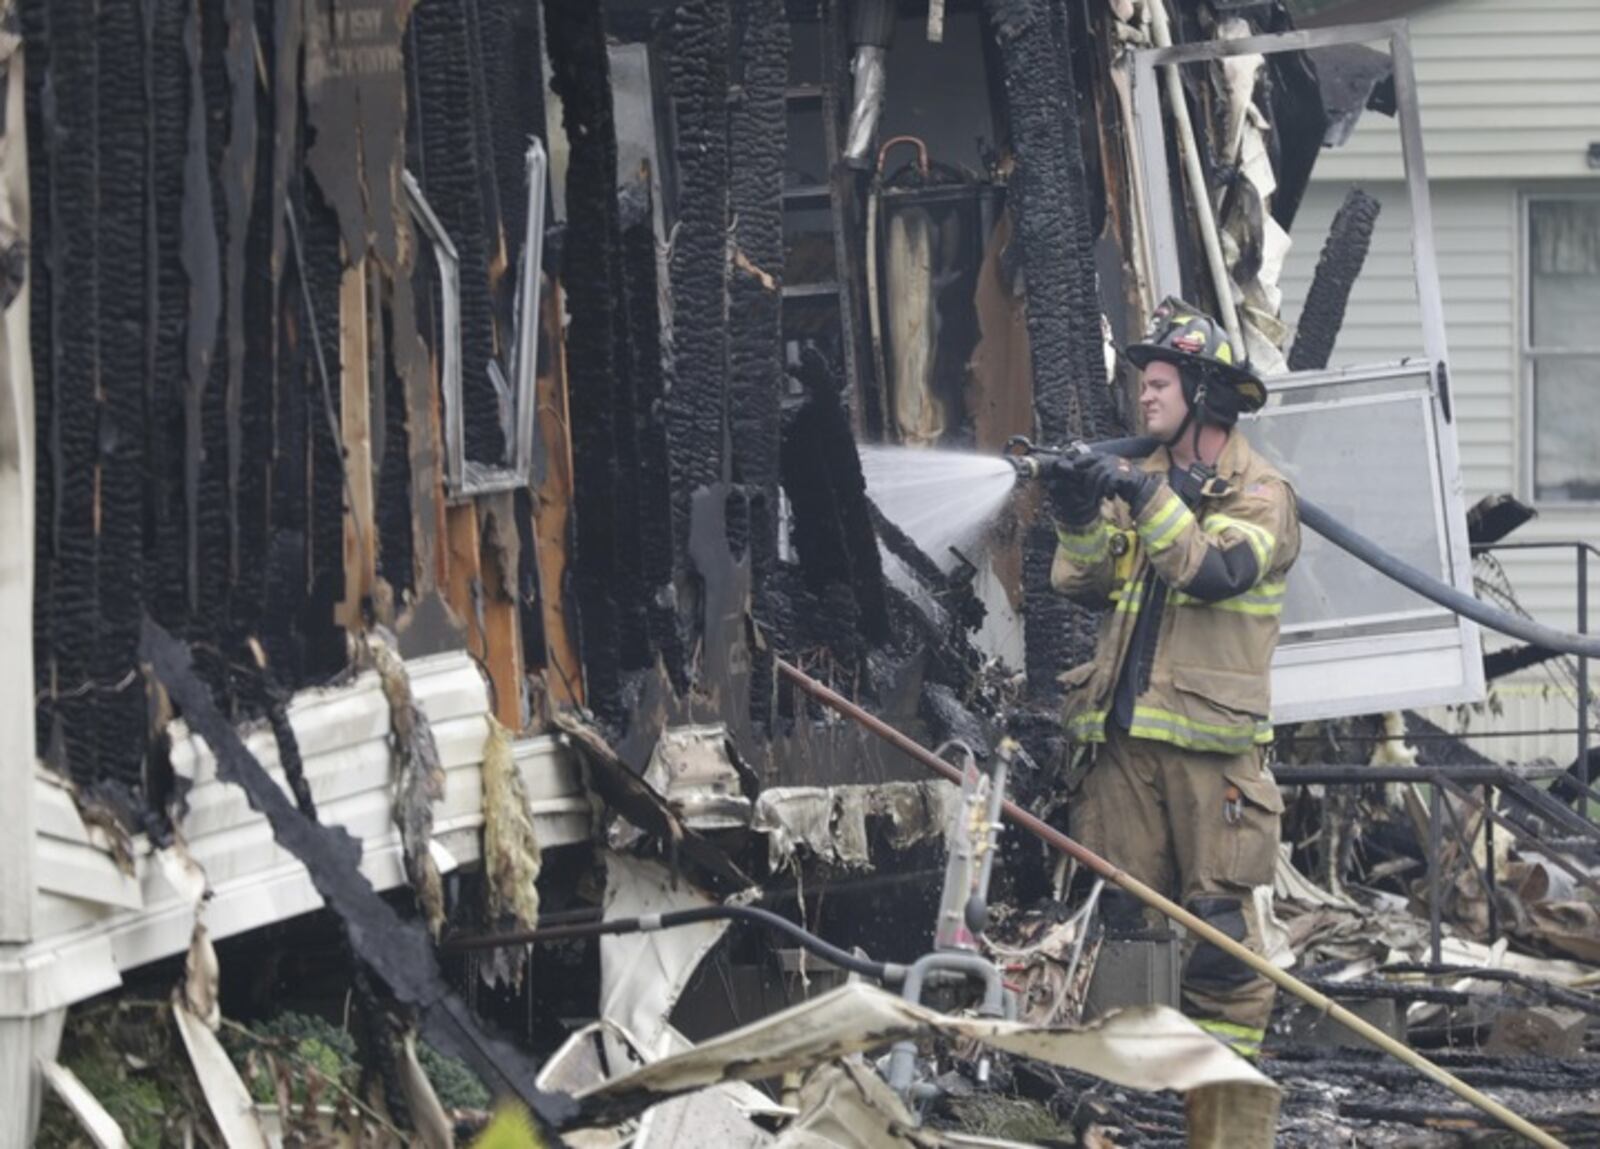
point(940, 499)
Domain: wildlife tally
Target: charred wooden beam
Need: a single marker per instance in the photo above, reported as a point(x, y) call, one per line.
point(360, 522)
point(1340, 264)
point(552, 512)
point(439, 53)
point(697, 407)
point(581, 77)
point(400, 952)
point(1055, 233)
point(122, 321)
point(654, 466)
point(74, 277)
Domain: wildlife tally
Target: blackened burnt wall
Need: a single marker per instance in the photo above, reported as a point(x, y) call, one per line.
point(697, 404)
point(456, 174)
point(185, 329)
point(1055, 230)
point(123, 299)
point(833, 533)
point(71, 135)
point(654, 463)
point(581, 78)
point(758, 134)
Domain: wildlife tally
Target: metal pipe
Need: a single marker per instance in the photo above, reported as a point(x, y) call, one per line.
point(889, 972)
point(1488, 857)
point(1195, 925)
point(903, 1054)
point(1435, 842)
point(1190, 149)
point(1583, 679)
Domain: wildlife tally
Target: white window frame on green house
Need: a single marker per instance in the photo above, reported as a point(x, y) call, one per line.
point(1529, 354)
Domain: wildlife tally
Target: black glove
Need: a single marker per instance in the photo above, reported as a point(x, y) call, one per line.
point(1110, 477)
point(1073, 501)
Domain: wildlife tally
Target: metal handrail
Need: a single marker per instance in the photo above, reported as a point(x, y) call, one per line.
point(1582, 550)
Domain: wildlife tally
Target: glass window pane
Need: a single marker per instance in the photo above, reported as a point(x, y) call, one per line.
point(1566, 427)
point(1363, 463)
point(1564, 272)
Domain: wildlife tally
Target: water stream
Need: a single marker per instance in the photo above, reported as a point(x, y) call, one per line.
point(941, 499)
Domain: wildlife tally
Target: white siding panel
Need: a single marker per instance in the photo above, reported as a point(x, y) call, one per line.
point(1476, 237)
point(1499, 81)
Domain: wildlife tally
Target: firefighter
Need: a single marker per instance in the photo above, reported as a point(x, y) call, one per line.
point(1188, 549)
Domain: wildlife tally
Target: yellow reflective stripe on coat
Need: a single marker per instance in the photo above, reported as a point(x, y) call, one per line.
point(1086, 547)
point(1168, 521)
point(1244, 1040)
point(1214, 738)
point(1264, 599)
point(1262, 541)
point(1129, 597)
point(1090, 726)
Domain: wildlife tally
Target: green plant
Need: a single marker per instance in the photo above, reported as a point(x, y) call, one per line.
point(456, 1085)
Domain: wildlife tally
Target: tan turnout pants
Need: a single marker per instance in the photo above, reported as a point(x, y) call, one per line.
point(1203, 830)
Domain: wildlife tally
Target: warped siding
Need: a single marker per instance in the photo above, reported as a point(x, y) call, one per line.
point(94, 920)
point(1499, 82)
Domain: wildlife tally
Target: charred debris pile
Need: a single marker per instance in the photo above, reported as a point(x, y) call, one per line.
point(363, 332)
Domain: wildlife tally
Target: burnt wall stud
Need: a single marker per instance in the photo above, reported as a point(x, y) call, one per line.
point(123, 320)
point(759, 139)
point(74, 276)
point(697, 417)
point(1054, 229)
point(581, 78)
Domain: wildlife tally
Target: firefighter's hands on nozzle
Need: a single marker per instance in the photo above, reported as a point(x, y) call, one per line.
point(1078, 483)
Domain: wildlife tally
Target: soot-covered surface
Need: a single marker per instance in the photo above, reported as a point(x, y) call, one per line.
point(201, 176)
point(1055, 233)
point(581, 78)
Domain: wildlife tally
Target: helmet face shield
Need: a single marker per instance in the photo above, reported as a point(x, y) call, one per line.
point(1187, 337)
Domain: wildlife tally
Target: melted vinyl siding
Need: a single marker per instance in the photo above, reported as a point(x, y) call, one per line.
point(1500, 82)
point(1477, 233)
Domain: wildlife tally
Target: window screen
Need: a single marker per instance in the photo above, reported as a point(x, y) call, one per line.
point(1359, 458)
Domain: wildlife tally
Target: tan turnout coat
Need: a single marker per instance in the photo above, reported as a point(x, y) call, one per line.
point(1210, 684)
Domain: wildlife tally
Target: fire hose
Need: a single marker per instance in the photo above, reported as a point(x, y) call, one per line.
point(1035, 462)
point(1056, 840)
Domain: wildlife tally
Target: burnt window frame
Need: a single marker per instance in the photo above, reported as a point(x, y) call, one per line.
point(466, 478)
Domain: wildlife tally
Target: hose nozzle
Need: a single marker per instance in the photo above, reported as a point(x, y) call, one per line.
point(1031, 460)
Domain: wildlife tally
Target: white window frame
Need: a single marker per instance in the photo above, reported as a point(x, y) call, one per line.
point(1385, 664)
point(1526, 353)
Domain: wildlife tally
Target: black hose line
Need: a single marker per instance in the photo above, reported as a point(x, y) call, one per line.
point(876, 970)
point(1380, 560)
